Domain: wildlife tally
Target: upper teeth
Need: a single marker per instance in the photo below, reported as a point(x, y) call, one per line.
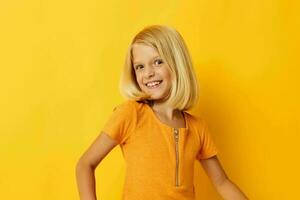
point(153, 83)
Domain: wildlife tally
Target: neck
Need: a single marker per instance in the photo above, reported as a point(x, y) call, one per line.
point(163, 110)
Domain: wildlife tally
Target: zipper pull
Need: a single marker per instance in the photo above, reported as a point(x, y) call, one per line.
point(176, 133)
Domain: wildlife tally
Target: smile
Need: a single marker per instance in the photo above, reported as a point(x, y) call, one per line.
point(154, 84)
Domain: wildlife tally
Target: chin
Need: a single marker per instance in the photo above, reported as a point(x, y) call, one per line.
point(156, 95)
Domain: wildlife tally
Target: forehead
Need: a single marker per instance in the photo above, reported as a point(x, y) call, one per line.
point(143, 52)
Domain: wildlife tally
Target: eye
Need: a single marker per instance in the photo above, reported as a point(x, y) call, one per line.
point(138, 66)
point(158, 61)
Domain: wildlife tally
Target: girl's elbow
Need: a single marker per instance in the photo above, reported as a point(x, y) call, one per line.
point(82, 165)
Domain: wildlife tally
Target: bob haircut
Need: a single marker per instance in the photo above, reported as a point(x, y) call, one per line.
point(169, 44)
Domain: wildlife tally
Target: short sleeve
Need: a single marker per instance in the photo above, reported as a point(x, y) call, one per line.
point(207, 148)
point(121, 122)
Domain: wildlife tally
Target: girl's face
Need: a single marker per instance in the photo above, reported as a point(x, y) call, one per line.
point(152, 73)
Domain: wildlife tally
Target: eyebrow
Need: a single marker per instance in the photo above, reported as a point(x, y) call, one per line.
point(136, 62)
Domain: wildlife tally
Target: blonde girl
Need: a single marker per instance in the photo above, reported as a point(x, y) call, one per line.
point(159, 139)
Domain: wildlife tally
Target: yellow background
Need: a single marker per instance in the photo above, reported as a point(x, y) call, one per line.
point(60, 67)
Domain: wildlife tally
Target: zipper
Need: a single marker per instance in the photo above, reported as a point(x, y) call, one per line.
point(176, 137)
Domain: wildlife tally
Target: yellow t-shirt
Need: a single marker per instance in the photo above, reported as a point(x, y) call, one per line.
point(158, 166)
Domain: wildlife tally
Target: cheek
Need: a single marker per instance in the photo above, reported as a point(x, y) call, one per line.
point(167, 74)
point(139, 80)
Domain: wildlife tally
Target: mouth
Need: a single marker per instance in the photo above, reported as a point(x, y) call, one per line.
point(153, 84)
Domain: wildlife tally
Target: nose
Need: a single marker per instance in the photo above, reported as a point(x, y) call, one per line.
point(149, 72)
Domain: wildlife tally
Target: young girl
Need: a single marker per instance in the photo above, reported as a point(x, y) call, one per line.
point(160, 141)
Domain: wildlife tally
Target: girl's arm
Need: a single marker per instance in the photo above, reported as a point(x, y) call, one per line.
point(87, 164)
point(225, 187)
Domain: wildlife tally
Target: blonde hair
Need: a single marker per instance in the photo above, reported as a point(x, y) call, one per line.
point(170, 45)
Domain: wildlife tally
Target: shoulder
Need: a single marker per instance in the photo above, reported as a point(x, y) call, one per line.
point(196, 122)
point(194, 119)
point(129, 103)
point(129, 106)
